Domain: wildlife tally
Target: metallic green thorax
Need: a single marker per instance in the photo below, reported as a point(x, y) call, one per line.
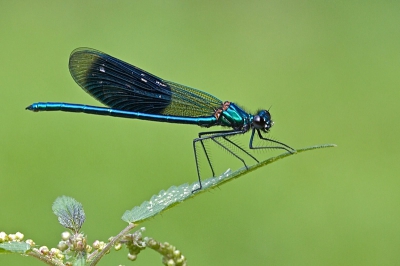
point(235, 117)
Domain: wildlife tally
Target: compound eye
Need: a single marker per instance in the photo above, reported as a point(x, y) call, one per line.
point(263, 120)
point(259, 122)
point(265, 114)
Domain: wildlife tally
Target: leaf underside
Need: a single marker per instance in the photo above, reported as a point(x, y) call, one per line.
point(175, 195)
point(14, 247)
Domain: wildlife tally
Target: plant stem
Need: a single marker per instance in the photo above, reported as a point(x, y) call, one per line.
point(112, 242)
point(37, 254)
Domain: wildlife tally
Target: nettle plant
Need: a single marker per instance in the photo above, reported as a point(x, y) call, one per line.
point(73, 248)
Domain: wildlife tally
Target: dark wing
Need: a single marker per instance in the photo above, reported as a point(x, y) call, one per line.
point(122, 86)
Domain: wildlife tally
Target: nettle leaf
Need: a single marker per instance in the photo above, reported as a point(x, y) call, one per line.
point(69, 212)
point(14, 247)
point(164, 200)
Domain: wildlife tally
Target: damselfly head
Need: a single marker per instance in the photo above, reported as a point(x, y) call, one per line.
point(262, 120)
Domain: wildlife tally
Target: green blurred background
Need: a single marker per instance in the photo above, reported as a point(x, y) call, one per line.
point(329, 69)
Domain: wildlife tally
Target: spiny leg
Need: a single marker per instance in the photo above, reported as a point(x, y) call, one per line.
point(208, 158)
point(237, 146)
point(212, 135)
point(229, 150)
point(283, 147)
point(197, 165)
point(217, 133)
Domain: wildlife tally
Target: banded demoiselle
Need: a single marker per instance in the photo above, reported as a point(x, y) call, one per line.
point(131, 92)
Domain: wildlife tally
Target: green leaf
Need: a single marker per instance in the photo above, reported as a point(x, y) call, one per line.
point(79, 261)
point(14, 247)
point(175, 195)
point(69, 212)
